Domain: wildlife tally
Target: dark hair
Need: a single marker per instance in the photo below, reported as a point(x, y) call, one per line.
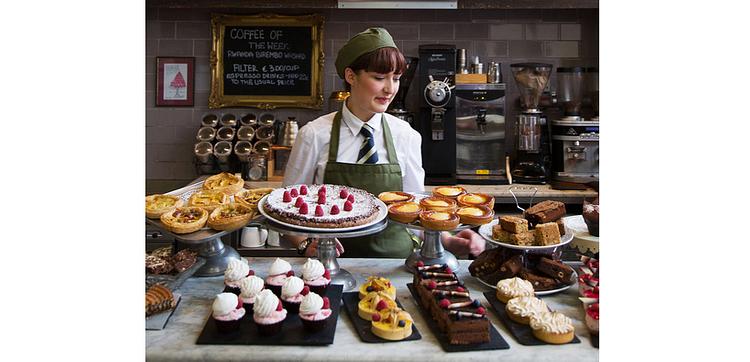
point(381, 60)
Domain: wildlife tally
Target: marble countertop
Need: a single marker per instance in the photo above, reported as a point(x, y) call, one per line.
point(177, 341)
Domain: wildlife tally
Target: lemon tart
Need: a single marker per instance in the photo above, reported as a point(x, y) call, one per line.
point(448, 191)
point(184, 220)
point(376, 284)
point(390, 197)
point(159, 204)
point(224, 182)
point(404, 212)
point(476, 199)
point(438, 204)
point(438, 220)
point(475, 215)
point(230, 217)
point(374, 302)
point(392, 324)
point(208, 200)
point(250, 198)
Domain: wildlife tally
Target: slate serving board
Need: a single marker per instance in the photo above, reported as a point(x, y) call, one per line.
point(363, 327)
point(496, 340)
point(159, 320)
point(521, 332)
point(292, 332)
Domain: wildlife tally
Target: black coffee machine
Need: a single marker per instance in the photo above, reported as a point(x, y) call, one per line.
point(437, 113)
point(398, 106)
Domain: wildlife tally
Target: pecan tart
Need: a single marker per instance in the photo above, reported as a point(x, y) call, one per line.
point(230, 217)
point(404, 212)
point(475, 215)
point(250, 198)
point(224, 182)
point(438, 204)
point(392, 197)
point(159, 204)
point(448, 191)
point(438, 220)
point(208, 200)
point(185, 220)
point(476, 199)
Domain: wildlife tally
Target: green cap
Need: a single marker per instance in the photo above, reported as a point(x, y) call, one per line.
point(362, 43)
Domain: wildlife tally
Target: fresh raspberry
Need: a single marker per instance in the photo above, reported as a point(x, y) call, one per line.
point(335, 210)
point(303, 190)
point(293, 193)
point(299, 202)
point(460, 289)
point(376, 317)
point(322, 191)
point(279, 307)
point(305, 290)
point(343, 194)
point(318, 210)
point(481, 310)
point(431, 285)
point(287, 197)
point(420, 264)
point(327, 274)
point(303, 209)
point(381, 305)
point(250, 272)
point(448, 270)
point(239, 303)
point(444, 303)
point(347, 206)
point(290, 273)
point(321, 198)
point(350, 198)
point(326, 303)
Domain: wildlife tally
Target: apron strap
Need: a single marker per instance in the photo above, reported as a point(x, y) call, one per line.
point(333, 147)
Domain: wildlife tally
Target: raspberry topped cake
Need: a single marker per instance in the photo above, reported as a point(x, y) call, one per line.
point(322, 206)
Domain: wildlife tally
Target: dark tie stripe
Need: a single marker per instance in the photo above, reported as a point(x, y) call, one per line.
point(368, 146)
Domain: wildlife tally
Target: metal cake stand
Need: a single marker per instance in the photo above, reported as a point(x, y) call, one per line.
point(432, 251)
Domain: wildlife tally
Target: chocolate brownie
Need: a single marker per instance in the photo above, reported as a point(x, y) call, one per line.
point(486, 263)
point(539, 282)
point(555, 269)
point(513, 224)
point(545, 211)
point(157, 265)
point(511, 267)
point(561, 226)
point(184, 259)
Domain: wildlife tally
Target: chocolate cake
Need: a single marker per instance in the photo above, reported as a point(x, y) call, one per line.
point(459, 316)
point(545, 211)
point(539, 282)
point(555, 269)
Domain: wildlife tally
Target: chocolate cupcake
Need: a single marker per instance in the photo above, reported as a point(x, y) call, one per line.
point(316, 277)
point(236, 271)
point(227, 313)
point(250, 287)
point(268, 313)
point(291, 294)
point(591, 216)
point(314, 312)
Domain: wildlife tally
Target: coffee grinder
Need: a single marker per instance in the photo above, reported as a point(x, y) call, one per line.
point(529, 165)
point(398, 106)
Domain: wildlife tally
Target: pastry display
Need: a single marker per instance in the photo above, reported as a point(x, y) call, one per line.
point(438, 220)
point(373, 303)
point(457, 314)
point(250, 287)
point(156, 205)
point(184, 220)
point(404, 212)
point(542, 225)
point(268, 313)
point(208, 200)
point(448, 191)
point(390, 197)
point(437, 203)
point(158, 299)
point(393, 324)
point(314, 312)
point(322, 206)
point(522, 308)
point(227, 312)
point(316, 277)
point(542, 270)
point(230, 217)
point(591, 216)
point(277, 275)
point(475, 215)
point(476, 199)
point(251, 197)
point(224, 182)
point(515, 287)
point(292, 292)
point(237, 269)
point(545, 211)
point(552, 327)
point(377, 284)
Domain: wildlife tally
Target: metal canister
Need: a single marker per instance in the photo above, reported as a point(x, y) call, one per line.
point(258, 170)
point(206, 134)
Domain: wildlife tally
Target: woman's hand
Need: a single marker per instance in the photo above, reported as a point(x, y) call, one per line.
point(465, 242)
point(312, 248)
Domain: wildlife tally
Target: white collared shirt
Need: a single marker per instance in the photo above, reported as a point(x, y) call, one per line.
point(309, 156)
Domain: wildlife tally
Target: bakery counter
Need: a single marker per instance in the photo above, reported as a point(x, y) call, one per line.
point(177, 341)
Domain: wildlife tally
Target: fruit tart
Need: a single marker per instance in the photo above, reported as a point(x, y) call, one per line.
point(448, 191)
point(475, 215)
point(392, 324)
point(230, 217)
point(390, 197)
point(373, 303)
point(250, 198)
point(224, 182)
point(208, 200)
point(438, 220)
point(404, 212)
point(476, 199)
point(159, 204)
point(438, 204)
point(184, 220)
point(376, 284)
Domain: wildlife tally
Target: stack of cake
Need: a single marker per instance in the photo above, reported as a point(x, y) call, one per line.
point(544, 271)
point(542, 225)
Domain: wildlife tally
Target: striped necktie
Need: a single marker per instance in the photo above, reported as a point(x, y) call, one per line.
point(367, 152)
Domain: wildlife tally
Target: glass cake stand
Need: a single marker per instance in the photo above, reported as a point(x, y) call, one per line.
point(432, 251)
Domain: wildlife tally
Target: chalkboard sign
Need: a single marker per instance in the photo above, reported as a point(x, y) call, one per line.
point(267, 61)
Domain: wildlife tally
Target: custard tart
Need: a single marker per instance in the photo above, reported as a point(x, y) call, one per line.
point(208, 200)
point(476, 199)
point(391, 197)
point(184, 220)
point(404, 212)
point(438, 220)
point(438, 204)
point(475, 215)
point(230, 217)
point(370, 304)
point(224, 182)
point(449, 191)
point(159, 204)
point(393, 324)
point(250, 198)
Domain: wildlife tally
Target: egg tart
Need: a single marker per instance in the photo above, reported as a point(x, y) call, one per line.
point(371, 304)
point(391, 197)
point(224, 182)
point(438, 204)
point(404, 212)
point(208, 200)
point(159, 204)
point(476, 199)
point(184, 220)
point(250, 198)
point(449, 191)
point(392, 324)
point(438, 220)
point(230, 217)
point(475, 215)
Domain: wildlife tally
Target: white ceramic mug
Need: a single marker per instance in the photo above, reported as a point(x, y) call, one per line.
point(273, 238)
point(253, 236)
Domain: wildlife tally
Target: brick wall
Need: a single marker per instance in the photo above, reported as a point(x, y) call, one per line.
point(557, 36)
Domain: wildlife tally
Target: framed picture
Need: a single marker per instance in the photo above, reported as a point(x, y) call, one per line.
point(175, 81)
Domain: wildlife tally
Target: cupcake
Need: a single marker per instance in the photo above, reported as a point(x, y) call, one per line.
point(316, 276)
point(515, 287)
point(591, 216)
point(314, 312)
point(227, 312)
point(592, 318)
point(280, 270)
point(268, 313)
point(236, 271)
point(552, 327)
point(291, 293)
point(522, 308)
point(249, 289)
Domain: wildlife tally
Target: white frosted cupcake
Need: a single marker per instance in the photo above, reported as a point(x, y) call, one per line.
point(249, 289)
point(227, 312)
point(515, 287)
point(314, 312)
point(292, 293)
point(522, 308)
point(237, 269)
point(316, 276)
point(277, 275)
point(268, 313)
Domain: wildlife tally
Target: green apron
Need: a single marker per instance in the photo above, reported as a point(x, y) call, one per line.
point(394, 241)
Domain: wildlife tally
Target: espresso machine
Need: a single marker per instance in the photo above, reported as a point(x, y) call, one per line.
point(437, 113)
point(398, 106)
point(531, 126)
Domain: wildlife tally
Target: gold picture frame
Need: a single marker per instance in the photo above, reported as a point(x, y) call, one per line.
point(218, 99)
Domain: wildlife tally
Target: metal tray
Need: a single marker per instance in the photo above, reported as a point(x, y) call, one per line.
point(172, 282)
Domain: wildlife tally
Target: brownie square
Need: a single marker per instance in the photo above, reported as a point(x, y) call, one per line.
point(514, 224)
point(555, 269)
point(537, 281)
point(544, 212)
point(547, 234)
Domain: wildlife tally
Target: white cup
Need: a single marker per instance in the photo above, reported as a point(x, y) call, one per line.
point(273, 238)
point(253, 236)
